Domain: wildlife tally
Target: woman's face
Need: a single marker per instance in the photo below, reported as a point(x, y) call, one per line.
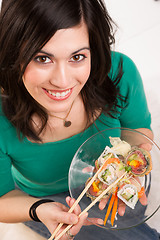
point(56, 75)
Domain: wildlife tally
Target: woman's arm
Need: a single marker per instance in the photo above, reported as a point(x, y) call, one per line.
point(147, 132)
point(144, 143)
point(15, 205)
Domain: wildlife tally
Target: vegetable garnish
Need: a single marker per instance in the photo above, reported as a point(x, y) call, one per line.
point(134, 163)
point(112, 201)
point(95, 186)
point(114, 210)
point(141, 192)
point(109, 208)
point(128, 169)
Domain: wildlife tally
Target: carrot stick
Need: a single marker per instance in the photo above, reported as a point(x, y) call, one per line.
point(114, 210)
point(110, 205)
point(141, 192)
point(109, 208)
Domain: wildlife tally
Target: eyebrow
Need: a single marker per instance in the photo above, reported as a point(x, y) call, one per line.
point(85, 48)
point(75, 52)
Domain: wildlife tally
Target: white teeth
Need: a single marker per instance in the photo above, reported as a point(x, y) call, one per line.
point(58, 94)
point(63, 94)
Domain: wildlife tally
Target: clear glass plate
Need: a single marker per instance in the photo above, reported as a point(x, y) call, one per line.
point(82, 168)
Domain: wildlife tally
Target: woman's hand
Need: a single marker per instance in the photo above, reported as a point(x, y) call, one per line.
point(121, 204)
point(51, 214)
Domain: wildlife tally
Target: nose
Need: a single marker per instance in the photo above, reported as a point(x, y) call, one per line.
point(60, 76)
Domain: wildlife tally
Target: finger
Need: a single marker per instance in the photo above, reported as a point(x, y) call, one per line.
point(76, 228)
point(77, 209)
point(121, 208)
point(143, 200)
point(66, 218)
point(88, 169)
point(93, 221)
point(146, 146)
point(103, 202)
point(68, 199)
point(70, 202)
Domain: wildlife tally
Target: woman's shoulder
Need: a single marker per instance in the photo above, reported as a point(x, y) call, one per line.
point(131, 75)
point(118, 57)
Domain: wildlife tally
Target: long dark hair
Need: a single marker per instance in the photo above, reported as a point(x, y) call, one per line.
point(25, 27)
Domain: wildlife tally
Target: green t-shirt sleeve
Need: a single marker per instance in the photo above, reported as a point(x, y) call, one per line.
point(135, 113)
point(6, 179)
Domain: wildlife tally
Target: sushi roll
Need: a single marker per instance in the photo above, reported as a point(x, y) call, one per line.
point(129, 195)
point(96, 189)
point(112, 169)
point(108, 175)
point(140, 161)
point(106, 154)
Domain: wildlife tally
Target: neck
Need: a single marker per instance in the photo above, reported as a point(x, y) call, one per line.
point(66, 122)
point(55, 129)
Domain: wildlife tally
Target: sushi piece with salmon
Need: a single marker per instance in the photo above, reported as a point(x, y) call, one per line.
point(140, 161)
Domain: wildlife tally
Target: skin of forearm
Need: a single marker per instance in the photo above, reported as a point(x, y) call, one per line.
point(14, 207)
point(147, 132)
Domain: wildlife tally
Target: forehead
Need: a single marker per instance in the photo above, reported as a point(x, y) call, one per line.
point(68, 40)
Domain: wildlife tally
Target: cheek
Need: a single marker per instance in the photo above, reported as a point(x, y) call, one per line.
point(30, 83)
point(29, 79)
point(84, 74)
point(29, 76)
point(33, 77)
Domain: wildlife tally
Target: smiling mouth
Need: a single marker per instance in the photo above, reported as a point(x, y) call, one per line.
point(59, 94)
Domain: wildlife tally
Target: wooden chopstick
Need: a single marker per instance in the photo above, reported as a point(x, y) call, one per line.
point(92, 204)
point(80, 197)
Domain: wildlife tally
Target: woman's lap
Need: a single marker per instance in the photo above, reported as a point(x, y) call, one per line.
point(140, 232)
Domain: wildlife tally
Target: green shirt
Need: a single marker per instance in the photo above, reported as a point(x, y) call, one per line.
point(42, 169)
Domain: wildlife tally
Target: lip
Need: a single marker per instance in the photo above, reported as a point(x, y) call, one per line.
point(58, 98)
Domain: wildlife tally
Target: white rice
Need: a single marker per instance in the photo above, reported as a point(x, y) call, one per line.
point(133, 190)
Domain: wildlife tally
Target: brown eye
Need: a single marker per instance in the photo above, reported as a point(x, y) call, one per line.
point(42, 59)
point(77, 58)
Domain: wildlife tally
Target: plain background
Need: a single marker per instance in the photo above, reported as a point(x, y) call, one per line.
point(138, 35)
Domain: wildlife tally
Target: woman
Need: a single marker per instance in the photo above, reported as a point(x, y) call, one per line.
point(60, 83)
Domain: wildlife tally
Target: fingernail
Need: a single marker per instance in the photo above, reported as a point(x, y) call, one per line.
point(102, 206)
point(121, 213)
point(68, 198)
point(72, 201)
point(100, 221)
